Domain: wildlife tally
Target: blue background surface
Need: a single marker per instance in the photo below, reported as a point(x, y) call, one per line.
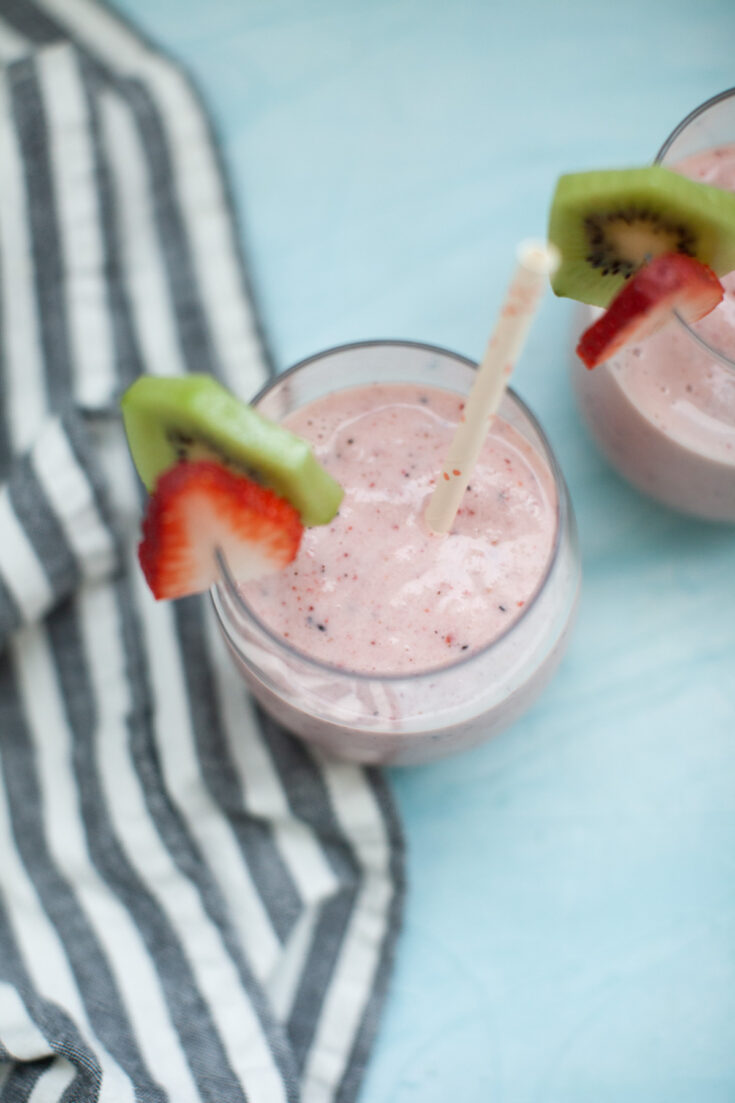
point(570, 931)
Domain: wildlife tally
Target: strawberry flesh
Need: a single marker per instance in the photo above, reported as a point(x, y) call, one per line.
point(670, 282)
point(198, 507)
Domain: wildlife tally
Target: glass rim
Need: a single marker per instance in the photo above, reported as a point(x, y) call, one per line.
point(562, 516)
point(679, 129)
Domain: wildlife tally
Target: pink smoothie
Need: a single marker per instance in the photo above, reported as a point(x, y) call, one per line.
point(375, 592)
point(663, 411)
point(384, 643)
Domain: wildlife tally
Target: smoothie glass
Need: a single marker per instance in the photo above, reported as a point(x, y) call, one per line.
point(419, 716)
point(663, 412)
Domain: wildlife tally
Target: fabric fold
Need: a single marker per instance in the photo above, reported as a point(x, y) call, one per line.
point(56, 524)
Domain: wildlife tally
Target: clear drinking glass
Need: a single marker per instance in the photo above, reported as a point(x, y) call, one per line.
point(663, 411)
point(405, 718)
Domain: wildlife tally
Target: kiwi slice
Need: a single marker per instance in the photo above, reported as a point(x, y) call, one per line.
point(607, 224)
point(194, 417)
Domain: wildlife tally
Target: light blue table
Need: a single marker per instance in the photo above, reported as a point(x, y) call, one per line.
point(570, 934)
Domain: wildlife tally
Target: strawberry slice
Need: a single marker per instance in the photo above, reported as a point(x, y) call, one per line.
point(670, 282)
point(198, 507)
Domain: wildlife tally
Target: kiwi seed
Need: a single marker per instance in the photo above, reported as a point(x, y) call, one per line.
point(188, 448)
point(604, 237)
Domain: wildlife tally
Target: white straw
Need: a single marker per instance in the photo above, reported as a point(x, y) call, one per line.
point(536, 261)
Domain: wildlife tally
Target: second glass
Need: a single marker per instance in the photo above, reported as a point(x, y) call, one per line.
point(663, 411)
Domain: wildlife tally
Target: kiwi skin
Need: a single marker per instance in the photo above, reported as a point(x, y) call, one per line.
point(606, 224)
point(168, 420)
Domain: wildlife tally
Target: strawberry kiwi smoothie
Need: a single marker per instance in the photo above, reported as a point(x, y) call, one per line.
point(375, 591)
point(383, 642)
point(663, 411)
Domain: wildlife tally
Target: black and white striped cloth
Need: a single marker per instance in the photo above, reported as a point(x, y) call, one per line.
point(193, 906)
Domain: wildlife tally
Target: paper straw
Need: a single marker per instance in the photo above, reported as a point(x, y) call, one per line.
point(536, 261)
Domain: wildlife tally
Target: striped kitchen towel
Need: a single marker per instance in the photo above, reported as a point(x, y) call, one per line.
point(193, 906)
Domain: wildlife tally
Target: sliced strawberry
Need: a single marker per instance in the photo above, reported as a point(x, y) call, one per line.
point(198, 507)
point(668, 283)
